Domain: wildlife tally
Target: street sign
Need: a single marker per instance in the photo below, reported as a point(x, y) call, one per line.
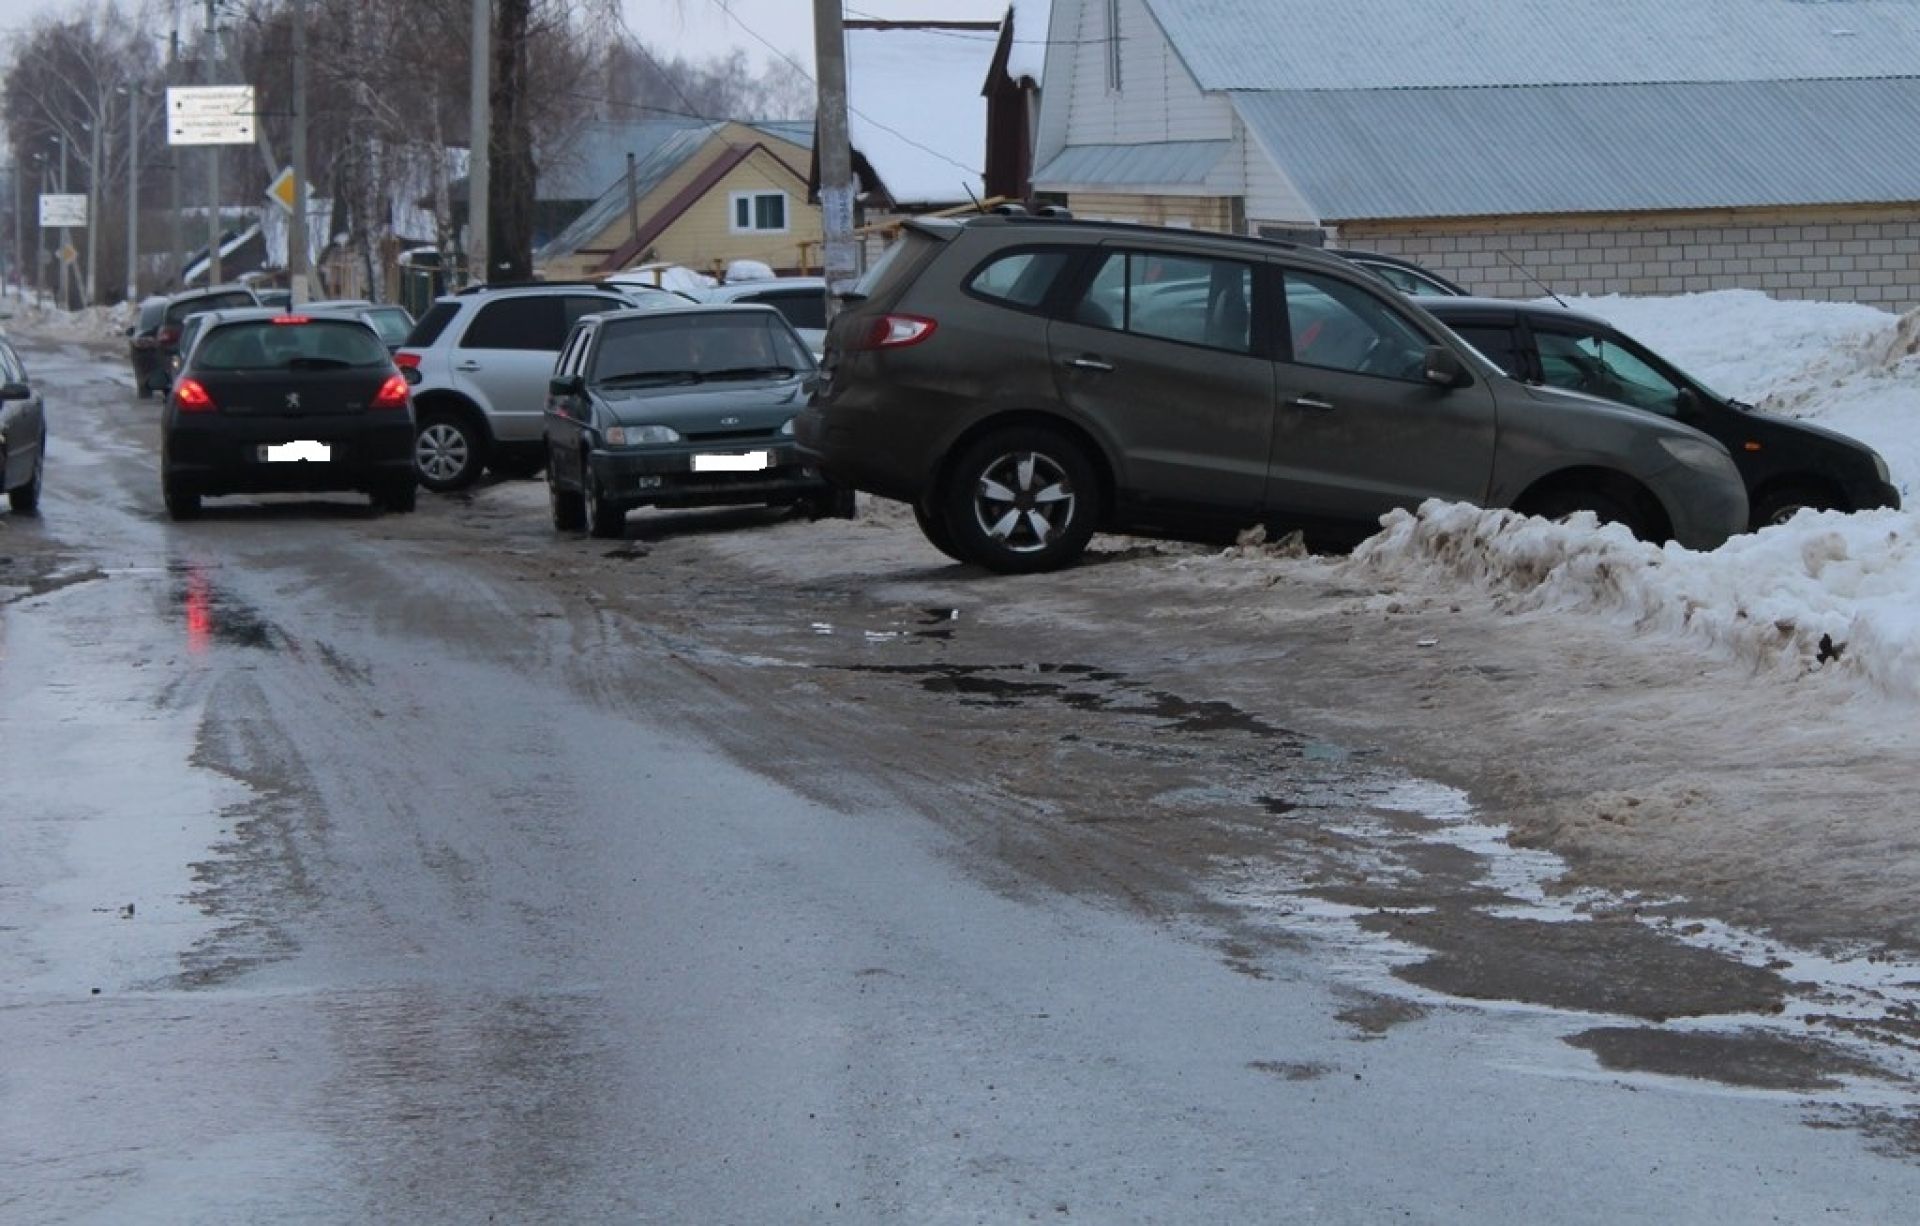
point(210, 115)
point(68, 254)
point(57, 211)
point(280, 191)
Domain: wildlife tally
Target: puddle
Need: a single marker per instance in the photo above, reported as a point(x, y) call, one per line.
point(1754, 1060)
point(210, 616)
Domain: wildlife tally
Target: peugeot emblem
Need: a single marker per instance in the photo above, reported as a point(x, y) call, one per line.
point(729, 421)
point(293, 400)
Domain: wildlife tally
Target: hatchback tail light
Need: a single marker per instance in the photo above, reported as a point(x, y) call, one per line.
point(190, 396)
point(893, 332)
point(392, 394)
point(169, 335)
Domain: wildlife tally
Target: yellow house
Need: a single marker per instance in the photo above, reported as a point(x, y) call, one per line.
point(709, 195)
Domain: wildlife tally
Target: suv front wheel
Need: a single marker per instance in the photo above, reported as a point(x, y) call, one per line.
point(448, 452)
point(1021, 500)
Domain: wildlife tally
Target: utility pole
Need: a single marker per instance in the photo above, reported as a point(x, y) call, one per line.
point(841, 259)
point(479, 167)
point(176, 154)
point(66, 265)
point(213, 164)
point(133, 191)
point(297, 239)
point(100, 149)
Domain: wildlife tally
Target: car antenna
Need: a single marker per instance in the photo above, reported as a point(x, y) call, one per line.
point(1529, 276)
point(968, 188)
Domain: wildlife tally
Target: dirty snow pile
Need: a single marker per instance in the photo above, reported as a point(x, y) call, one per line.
point(1825, 592)
point(104, 323)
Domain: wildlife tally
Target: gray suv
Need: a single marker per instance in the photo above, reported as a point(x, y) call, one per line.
point(1024, 381)
point(479, 362)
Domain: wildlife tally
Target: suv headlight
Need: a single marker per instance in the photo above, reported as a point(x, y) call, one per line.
point(1695, 452)
point(641, 436)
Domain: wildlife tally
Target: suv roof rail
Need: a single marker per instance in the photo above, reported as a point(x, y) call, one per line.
point(484, 286)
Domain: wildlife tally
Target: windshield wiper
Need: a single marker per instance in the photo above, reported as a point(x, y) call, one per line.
point(751, 372)
point(650, 376)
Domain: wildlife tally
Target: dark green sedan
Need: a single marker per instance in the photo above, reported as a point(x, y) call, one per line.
point(690, 407)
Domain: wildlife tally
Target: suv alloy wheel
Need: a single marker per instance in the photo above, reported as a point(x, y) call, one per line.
point(1021, 500)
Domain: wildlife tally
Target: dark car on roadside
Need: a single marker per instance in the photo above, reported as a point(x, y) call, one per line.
point(143, 346)
point(1787, 465)
point(272, 402)
point(684, 407)
point(23, 434)
point(158, 371)
point(1409, 278)
point(1022, 382)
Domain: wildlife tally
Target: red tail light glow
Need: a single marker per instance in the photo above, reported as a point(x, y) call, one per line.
point(894, 332)
point(292, 319)
point(189, 396)
point(406, 360)
point(392, 394)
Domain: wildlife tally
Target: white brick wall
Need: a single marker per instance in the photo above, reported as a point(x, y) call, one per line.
point(1833, 256)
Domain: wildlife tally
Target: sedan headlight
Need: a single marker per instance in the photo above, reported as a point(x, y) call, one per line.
point(641, 436)
point(1695, 452)
point(786, 427)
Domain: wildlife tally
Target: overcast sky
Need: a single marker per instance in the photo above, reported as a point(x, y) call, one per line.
point(697, 29)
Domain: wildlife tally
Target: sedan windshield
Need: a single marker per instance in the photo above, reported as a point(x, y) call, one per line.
point(694, 347)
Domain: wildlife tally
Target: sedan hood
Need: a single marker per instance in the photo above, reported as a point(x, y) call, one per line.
point(702, 407)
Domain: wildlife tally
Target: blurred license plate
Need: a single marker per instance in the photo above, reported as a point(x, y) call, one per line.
point(296, 451)
point(752, 461)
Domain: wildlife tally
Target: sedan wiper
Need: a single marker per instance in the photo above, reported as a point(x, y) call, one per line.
point(752, 372)
point(650, 376)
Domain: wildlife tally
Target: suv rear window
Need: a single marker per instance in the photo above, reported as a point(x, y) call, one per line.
point(895, 264)
point(319, 344)
point(432, 324)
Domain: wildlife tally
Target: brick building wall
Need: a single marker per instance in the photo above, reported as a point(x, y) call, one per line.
point(1862, 255)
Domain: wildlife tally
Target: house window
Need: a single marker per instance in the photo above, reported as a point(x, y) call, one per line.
point(1113, 46)
point(759, 212)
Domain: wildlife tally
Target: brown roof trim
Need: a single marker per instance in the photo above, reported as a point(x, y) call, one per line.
point(683, 200)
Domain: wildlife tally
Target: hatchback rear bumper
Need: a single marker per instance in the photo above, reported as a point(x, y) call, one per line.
point(223, 455)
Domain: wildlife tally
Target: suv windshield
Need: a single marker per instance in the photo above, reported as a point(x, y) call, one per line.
point(316, 344)
point(697, 346)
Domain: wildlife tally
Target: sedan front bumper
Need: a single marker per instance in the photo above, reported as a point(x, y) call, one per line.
point(666, 476)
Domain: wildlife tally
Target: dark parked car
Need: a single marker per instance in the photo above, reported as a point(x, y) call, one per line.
point(682, 407)
point(160, 365)
point(23, 434)
point(1404, 275)
point(285, 403)
point(1787, 465)
point(1024, 381)
point(143, 346)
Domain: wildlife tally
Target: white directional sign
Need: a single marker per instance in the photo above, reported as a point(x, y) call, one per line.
point(59, 211)
point(210, 115)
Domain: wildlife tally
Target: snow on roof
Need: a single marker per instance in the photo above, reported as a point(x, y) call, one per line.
point(1825, 594)
point(916, 112)
point(1027, 58)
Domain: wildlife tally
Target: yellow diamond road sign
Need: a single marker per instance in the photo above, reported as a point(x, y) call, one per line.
point(68, 255)
point(280, 191)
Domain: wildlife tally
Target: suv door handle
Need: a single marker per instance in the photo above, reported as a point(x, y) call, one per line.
point(1091, 363)
point(1309, 402)
point(468, 365)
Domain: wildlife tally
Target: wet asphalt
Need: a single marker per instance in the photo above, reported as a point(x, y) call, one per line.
point(366, 868)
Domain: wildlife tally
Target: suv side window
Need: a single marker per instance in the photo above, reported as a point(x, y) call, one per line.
point(1336, 325)
point(576, 305)
point(1497, 343)
point(1019, 278)
point(1193, 299)
point(533, 322)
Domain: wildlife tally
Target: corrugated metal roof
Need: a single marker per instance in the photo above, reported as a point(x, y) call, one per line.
point(1487, 152)
point(648, 173)
point(597, 155)
point(1165, 163)
point(1380, 44)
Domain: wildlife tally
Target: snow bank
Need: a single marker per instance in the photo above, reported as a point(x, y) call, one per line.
point(1824, 593)
point(107, 323)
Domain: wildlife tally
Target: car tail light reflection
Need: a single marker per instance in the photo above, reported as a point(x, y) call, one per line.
point(894, 332)
point(392, 394)
point(190, 396)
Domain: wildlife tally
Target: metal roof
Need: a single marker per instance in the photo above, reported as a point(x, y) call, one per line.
point(1165, 163)
point(1376, 44)
point(1358, 154)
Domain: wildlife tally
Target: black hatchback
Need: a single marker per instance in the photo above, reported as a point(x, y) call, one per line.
point(286, 403)
point(1788, 466)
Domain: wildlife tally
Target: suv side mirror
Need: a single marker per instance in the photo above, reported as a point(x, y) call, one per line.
point(1443, 366)
point(571, 385)
point(1687, 403)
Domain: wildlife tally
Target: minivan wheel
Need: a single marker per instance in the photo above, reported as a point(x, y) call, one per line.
point(1608, 508)
point(446, 453)
point(1021, 500)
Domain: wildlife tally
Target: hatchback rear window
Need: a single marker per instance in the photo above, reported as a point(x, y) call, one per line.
point(432, 324)
point(318, 344)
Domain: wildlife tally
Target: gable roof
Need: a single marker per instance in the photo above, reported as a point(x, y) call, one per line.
point(649, 172)
point(914, 107)
point(655, 225)
point(1402, 44)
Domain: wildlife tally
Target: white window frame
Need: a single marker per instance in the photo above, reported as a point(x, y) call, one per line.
point(753, 211)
